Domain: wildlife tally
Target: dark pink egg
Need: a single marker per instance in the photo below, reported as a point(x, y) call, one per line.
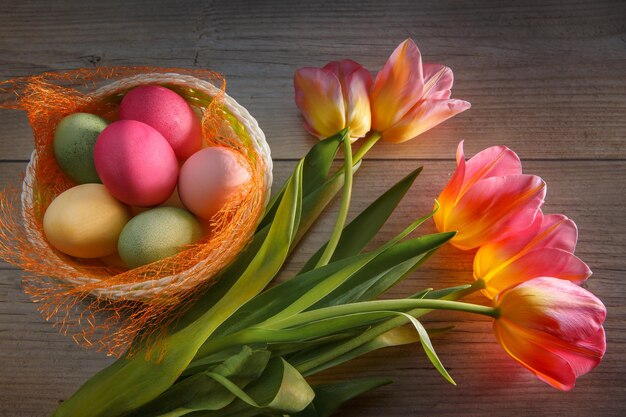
point(168, 113)
point(136, 163)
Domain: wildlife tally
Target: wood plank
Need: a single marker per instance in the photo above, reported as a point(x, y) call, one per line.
point(41, 367)
point(548, 81)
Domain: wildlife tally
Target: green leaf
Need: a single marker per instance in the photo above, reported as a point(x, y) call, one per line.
point(428, 348)
point(385, 271)
point(364, 227)
point(361, 318)
point(451, 293)
point(316, 201)
point(273, 300)
point(398, 336)
point(329, 397)
point(343, 281)
point(201, 392)
point(210, 361)
point(132, 382)
point(276, 299)
point(316, 165)
point(281, 389)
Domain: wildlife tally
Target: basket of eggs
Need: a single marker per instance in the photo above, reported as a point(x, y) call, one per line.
point(144, 184)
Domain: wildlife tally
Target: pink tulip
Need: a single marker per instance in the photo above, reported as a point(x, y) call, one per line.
point(488, 198)
point(546, 248)
point(334, 97)
point(553, 328)
point(409, 98)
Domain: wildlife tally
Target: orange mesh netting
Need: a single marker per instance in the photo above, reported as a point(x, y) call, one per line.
point(99, 305)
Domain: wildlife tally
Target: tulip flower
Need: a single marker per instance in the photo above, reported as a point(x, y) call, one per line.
point(488, 198)
point(546, 248)
point(334, 97)
point(409, 98)
point(553, 328)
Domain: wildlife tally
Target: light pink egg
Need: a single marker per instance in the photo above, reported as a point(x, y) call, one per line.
point(208, 178)
point(168, 113)
point(136, 163)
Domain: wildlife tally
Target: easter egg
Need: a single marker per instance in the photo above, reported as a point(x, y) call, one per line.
point(168, 113)
point(157, 234)
point(135, 163)
point(85, 221)
point(74, 141)
point(208, 178)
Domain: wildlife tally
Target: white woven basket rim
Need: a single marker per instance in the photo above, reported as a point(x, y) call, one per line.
point(147, 289)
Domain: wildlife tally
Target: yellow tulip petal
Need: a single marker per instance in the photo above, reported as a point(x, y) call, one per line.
point(320, 99)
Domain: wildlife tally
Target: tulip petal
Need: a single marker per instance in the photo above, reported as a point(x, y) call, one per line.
point(540, 262)
point(557, 231)
point(587, 354)
point(398, 86)
point(319, 97)
point(422, 117)
point(546, 366)
point(553, 306)
point(553, 328)
point(438, 80)
point(496, 161)
point(358, 82)
point(495, 207)
point(497, 253)
point(448, 197)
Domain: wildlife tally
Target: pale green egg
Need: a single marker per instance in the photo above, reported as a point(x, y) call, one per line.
point(74, 141)
point(157, 234)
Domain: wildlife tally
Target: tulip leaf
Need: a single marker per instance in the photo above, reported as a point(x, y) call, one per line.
point(202, 392)
point(450, 293)
point(297, 294)
point(362, 318)
point(275, 299)
point(364, 227)
point(131, 382)
point(281, 389)
point(316, 165)
point(398, 336)
point(329, 397)
point(428, 347)
point(316, 201)
point(385, 271)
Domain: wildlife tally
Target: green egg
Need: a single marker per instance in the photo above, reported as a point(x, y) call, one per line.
point(74, 141)
point(156, 234)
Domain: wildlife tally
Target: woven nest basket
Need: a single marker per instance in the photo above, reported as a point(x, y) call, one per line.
point(92, 301)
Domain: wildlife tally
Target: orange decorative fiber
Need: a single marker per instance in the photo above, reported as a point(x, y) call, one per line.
point(100, 306)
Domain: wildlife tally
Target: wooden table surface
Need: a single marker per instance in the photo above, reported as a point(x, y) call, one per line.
point(546, 78)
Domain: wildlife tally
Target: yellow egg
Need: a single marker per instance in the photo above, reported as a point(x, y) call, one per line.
point(85, 221)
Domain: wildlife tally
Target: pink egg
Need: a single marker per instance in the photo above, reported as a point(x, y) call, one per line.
point(136, 163)
point(208, 178)
point(168, 113)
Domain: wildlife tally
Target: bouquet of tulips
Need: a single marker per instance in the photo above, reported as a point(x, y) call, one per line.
point(244, 350)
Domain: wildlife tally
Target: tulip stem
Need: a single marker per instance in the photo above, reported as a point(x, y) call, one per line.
point(345, 204)
point(369, 142)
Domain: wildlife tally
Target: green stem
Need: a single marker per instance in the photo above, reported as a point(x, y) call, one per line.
point(369, 141)
point(274, 334)
point(343, 208)
point(380, 305)
point(376, 331)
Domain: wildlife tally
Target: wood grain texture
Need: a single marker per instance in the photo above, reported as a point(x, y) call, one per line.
point(545, 78)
